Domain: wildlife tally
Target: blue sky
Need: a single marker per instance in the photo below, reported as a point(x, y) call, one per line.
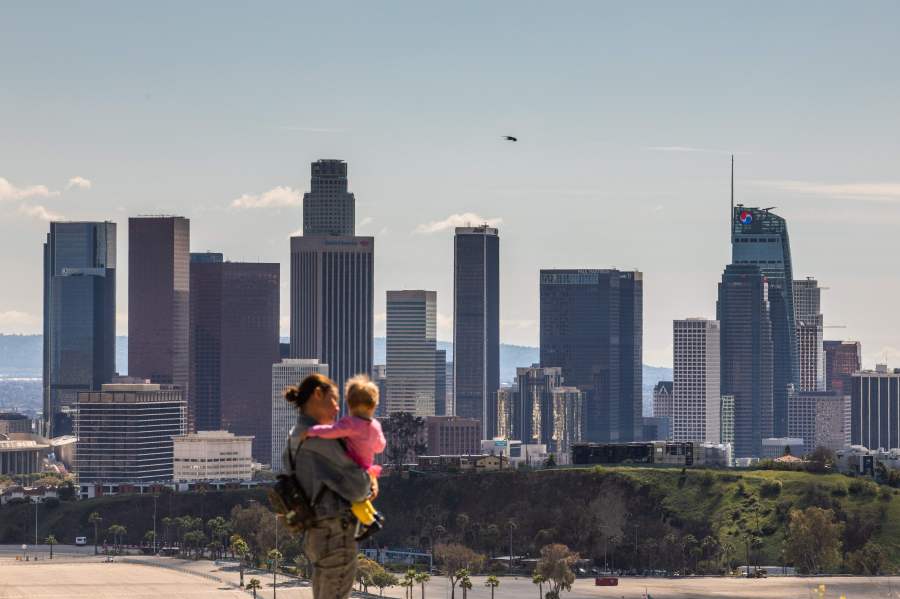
point(626, 114)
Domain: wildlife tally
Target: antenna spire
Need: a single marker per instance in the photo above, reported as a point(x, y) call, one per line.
point(731, 215)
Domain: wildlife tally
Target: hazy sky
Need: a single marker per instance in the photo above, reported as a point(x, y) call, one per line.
point(625, 115)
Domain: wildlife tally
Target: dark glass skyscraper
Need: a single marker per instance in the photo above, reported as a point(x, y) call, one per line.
point(332, 279)
point(746, 352)
point(234, 342)
point(476, 323)
point(760, 237)
point(159, 300)
point(79, 315)
point(592, 327)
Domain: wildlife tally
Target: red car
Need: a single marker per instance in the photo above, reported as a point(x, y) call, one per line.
point(606, 581)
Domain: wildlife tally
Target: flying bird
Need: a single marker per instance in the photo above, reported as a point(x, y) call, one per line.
point(510, 138)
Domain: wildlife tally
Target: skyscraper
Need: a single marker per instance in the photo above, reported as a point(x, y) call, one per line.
point(842, 359)
point(532, 403)
point(328, 208)
point(440, 382)
point(874, 408)
point(125, 431)
point(159, 300)
point(234, 342)
point(591, 326)
point(760, 237)
point(697, 387)
point(285, 374)
point(79, 315)
point(746, 353)
point(411, 347)
point(476, 323)
point(332, 279)
point(809, 327)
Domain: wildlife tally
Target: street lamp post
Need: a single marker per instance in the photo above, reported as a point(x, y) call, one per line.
point(155, 545)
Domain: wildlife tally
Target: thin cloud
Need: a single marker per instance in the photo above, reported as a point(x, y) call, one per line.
point(313, 129)
point(873, 191)
point(17, 322)
point(9, 192)
point(693, 149)
point(79, 183)
point(39, 212)
point(466, 219)
point(278, 197)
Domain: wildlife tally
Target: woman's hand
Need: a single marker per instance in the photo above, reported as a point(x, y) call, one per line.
point(374, 487)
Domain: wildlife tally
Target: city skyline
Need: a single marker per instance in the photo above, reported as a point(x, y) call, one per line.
point(626, 172)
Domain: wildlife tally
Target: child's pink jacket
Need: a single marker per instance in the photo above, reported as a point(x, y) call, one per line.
point(364, 439)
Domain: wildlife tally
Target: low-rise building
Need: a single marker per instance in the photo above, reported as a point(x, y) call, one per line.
point(684, 453)
point(22, 453)
point(452, 435)
point(14, 422)
point(462, 463)
point(212, 456)
point(775, 447)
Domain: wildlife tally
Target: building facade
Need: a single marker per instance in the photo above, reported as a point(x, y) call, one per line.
point(726, 415)
point(842, 359)
point(759, 237)
point(452, 435)
point(13, 422)
point(591, 327)
point(212, 456)
point(663, 398)
point(411, 351)
point(818, 418)
point(332, 303)
point(125, 431)
point(79, 316)
point(328, 207)
point(476, 323)
point(567, 421)
point(532, 405)
point(159, 300)
point(696, 394)
point(875, 408)
point(285, 374)
point(746, 355)
point(440, 383)
point(809, 328)
point(234, 342)
point(503, 399)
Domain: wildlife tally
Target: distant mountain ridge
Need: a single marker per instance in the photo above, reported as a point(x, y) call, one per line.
point(22, 355)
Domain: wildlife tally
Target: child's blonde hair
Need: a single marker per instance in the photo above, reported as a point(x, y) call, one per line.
point(361, 392)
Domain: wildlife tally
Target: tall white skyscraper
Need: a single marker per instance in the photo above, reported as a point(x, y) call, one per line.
point(809, 325)
point(696, 395)
point(284, 415)
point(411, 346)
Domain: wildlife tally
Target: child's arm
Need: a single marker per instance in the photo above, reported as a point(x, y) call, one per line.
point(380, 441)
point(340, 430)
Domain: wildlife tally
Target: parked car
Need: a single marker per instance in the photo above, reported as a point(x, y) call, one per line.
point(81, 541)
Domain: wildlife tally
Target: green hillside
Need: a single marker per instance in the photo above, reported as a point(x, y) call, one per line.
point(641, 517)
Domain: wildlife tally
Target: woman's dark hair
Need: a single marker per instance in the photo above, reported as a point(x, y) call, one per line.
point(298, 395)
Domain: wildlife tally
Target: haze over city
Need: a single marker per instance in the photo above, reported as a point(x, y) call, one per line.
point(625, 115)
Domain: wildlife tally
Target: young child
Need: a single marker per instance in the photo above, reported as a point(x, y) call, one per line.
point(364, 438)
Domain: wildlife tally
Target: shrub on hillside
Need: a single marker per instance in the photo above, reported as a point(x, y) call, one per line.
point(770, 488)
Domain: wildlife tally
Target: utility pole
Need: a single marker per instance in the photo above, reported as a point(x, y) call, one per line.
point(35, 525)
point(155, 545)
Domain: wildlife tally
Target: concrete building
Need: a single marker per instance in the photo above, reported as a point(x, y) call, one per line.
point(452, 435)
point(328, 207)
point(411, 350)
point(696, 395)
point(746, 352)
point(233, 343)
point(842, 359)
point(760, 237)
point(22, 453)
point(125, 431)
point(567, 421)
point(284, 415)
point(809, 327)
point(875, 408)
point(533, 402)
point(663, 398)
point(159, 300)
point(212, 456)
point(476, 323)
point(774, 447)
point(663, 453)
point(726, 415)
point(79, 316)
point(591, 327)
point(817, 417)
point(13, 422)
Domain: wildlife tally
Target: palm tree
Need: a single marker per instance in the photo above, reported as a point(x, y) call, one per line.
point(253, 585)
point(539, 580)
point(51, 540)
point(409, 581)
point(117, 531)
point(150, 537)
point(241, 549)
point(95, 519)
point(493, 582)
point(167, 529)
point(466, 584)
point(421, 579)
